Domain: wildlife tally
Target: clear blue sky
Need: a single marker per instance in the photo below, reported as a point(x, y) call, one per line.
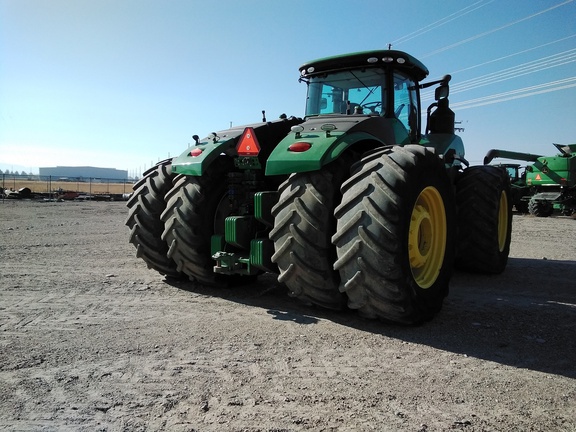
point(125, 83)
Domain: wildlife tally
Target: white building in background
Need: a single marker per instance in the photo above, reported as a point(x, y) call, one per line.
point(73, 173)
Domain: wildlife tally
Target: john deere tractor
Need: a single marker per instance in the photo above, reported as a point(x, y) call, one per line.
point(353, 205)
point(550, 181)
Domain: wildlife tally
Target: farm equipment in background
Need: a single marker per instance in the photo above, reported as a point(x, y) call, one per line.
point(518, 188)
point(351, 205)
point(550, 182)
point(24, 192)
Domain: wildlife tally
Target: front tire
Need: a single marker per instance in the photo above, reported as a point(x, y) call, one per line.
point(484, 219)
point(395, 235)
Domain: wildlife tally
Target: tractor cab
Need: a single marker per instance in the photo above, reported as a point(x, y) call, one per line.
point(380, 83)
point(516, 172)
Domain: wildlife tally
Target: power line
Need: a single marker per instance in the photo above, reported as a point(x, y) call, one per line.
point(480, 35)
point(533, 66)
point(515, 72)
point(513, 54)
point(441, 22)
point(517, 94)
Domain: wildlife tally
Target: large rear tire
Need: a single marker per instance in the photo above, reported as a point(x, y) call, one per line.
point(145, 207)
point(484, 219)
point(303, 226)
point(395, 235)
point(194, 212)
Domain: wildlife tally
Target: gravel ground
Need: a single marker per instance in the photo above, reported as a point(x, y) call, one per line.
point(91, 340)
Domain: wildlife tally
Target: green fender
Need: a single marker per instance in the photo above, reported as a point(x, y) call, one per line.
point(324, 149)
point(443, 143)
point(196, 165)
point(196, 159)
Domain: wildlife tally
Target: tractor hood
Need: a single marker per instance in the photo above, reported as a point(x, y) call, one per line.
point(320, 140)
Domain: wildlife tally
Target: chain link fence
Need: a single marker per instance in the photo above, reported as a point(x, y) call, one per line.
point(17, 186)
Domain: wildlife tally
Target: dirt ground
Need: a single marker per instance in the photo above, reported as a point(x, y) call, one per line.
point(91, 340)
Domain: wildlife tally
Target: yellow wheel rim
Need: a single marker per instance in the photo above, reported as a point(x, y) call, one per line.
point(427, 237)
point(503, 221)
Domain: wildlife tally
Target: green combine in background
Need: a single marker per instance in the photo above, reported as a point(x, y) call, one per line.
point(549, 183)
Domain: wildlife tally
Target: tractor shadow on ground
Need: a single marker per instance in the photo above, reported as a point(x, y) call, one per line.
point(525, 317)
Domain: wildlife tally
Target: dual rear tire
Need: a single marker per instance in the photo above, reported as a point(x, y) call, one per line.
point(145, 207)
point(196, 209)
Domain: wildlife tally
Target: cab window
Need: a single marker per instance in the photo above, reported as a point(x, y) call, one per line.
point(405, 102)
point(360, 91)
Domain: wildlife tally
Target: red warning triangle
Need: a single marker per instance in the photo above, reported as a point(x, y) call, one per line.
point(538, 177)
point(248, 144)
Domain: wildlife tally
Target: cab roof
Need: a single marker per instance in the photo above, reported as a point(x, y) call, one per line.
point(398, 59)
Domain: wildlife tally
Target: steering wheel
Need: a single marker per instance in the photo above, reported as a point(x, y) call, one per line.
point(372, 105)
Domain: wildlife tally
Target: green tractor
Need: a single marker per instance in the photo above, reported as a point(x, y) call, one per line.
point(353, 205)
point(549, 183)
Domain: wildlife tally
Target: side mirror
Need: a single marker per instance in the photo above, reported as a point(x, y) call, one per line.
point(441, 92)
point(323, 103)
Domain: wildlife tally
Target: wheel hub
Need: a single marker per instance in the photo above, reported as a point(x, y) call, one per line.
point(427, 237)
point(419, 236)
